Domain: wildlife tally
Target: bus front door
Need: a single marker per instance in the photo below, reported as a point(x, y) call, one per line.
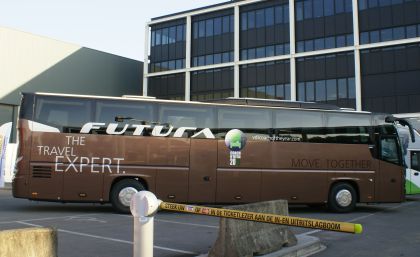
point(202, 173)
point(391, 175)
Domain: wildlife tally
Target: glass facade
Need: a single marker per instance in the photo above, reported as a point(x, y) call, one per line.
point(212, 84)
point(269, 80)
point(212, 38)
point(391, 79)
point(327, 79)
point(323, 24)
point(168, 86)
point(325, 71)
point(167, 46)
point(385, 20)
point(264, 30)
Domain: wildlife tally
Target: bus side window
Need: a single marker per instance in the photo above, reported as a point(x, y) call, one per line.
point(132, 112)
point(187, 116)
point(389, 150)
point(66, 114)
point(107, 110)
point(250, 121)
point(415, 160)
point(348, 128)
point(300, 125)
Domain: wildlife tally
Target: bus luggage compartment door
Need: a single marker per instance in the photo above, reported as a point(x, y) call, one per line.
point(202, 174)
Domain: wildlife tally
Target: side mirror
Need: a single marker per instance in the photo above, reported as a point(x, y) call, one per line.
point(403, 122)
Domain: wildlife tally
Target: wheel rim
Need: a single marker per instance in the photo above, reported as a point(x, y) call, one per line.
point(126, 194)
point(344, 198)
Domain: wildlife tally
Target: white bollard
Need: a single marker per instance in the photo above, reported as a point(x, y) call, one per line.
point(144, 205)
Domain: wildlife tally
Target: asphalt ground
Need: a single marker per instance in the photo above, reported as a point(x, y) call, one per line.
point(90, 230)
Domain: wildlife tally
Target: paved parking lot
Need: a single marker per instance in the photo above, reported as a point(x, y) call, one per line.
point(95, 230)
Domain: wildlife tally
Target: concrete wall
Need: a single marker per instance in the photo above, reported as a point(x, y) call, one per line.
point(33, 63)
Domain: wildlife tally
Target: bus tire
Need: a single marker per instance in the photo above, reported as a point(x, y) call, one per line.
point(342, 198)
point(122, 192)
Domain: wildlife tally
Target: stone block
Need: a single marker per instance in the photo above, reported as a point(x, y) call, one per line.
point(239, 238)
point(29, 242)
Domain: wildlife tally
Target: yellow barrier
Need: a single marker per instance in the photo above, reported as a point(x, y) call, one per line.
point(266, 218)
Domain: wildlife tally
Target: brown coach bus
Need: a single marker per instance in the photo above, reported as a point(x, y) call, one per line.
point(75, 148)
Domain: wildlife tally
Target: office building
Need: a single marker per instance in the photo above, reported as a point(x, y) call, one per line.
point(356, 54)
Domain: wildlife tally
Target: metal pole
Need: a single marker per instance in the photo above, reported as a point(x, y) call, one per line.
point(146, 59)
point(143, 237)
point(293, 90)
point(236, 75)
point(188, 39)
point(143, 207)
point(357, 70)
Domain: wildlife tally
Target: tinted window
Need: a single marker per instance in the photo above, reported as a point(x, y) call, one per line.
point(411, 31)
point(209, 28)
point(195, 30)
point(217, 26)
point(244, 24)
point(180, 33)
point(187, 116)
point(296, 124)
point(331, 89)
point(321, 94)
point(244, 118)
point(271, 92)
point(319, 44)
point(346, 120)
point(172, 35)
point(352, 88)
point(251, 20)
point(153, 38)
point(297, 119)
point(107, 110)
point(301, 91)
point(269, 16)
point(415, 157)
point(226, 25)
point(328, 7)
point(342, 88)
point(260, 52)
point(339, 6)
point(299, 11)
point(307, 9)
point(260, 18)
point(66, 114)
point(347, 128)
point(287, 91)
point(310, 89)
point(165, 32)
point(318, 8)
point(201, 28)
point(279, 14)
point(158, 37)
point(389, 150)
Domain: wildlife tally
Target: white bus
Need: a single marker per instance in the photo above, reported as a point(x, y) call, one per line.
point(411, 151)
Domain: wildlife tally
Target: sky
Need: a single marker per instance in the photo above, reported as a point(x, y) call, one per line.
point(111, 26)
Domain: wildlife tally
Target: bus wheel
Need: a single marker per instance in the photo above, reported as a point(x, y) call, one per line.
point(122, 192)
point(342, 198)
